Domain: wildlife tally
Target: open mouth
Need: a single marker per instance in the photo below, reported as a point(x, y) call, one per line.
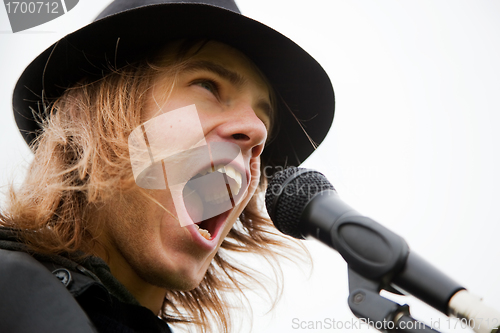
point(210, 195)
point(209, 228)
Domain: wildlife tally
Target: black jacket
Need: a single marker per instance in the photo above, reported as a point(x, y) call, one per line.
point(40, 293)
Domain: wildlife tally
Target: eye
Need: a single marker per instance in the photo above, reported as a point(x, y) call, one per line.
point(209, 85)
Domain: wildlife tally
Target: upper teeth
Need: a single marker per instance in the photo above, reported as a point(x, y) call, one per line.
point(235, 186)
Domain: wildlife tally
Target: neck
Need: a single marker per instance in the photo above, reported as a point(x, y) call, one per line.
point(146, 294)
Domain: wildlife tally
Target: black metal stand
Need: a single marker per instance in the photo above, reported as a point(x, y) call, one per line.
point(377, 259)
point(379, 312)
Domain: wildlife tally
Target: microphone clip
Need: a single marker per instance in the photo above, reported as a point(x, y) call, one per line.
point(383, 314)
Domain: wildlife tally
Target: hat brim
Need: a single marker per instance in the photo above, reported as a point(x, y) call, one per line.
point(305, 95)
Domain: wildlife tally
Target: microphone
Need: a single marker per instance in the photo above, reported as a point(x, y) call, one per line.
point(303, 203)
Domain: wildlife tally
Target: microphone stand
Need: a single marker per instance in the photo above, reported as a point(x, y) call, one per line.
point(377, 258)
point(384, 315)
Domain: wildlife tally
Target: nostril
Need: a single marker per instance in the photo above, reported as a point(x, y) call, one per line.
point(240, 136)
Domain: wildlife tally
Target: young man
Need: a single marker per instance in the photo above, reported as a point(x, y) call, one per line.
point(150, 128)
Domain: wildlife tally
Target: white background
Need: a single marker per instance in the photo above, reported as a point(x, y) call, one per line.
point(414, 143)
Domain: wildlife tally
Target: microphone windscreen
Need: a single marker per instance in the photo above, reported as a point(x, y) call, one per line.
point(288, 194)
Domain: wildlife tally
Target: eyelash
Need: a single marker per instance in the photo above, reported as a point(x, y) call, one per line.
point(214, 86)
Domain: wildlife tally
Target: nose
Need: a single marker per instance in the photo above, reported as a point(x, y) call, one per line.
point(245, 129)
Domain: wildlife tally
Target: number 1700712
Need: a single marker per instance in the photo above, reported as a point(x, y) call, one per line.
point(14, 7)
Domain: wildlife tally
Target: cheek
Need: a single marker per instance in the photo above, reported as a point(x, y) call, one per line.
point(141, 212)
point(162, 208)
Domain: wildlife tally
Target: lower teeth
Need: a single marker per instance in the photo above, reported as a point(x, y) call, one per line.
point(205, 233)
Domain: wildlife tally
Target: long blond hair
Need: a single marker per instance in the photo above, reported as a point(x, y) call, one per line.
point(82, 159)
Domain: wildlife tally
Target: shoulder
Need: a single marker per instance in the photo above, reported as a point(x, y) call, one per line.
point(45, 296)
point(34, 300)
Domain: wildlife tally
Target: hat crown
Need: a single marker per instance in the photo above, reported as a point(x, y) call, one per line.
point(118, 6)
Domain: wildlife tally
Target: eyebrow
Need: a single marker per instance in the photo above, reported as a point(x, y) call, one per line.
point(233, 77)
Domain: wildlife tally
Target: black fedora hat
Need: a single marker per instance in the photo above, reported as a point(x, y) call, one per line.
point(127, 30)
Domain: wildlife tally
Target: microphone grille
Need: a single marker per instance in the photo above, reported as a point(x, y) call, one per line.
point(287, 195)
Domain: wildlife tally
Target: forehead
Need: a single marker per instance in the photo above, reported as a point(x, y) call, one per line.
point(231, 58)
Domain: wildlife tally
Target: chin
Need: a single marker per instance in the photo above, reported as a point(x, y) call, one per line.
point(179, 279)
point(185, 285)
